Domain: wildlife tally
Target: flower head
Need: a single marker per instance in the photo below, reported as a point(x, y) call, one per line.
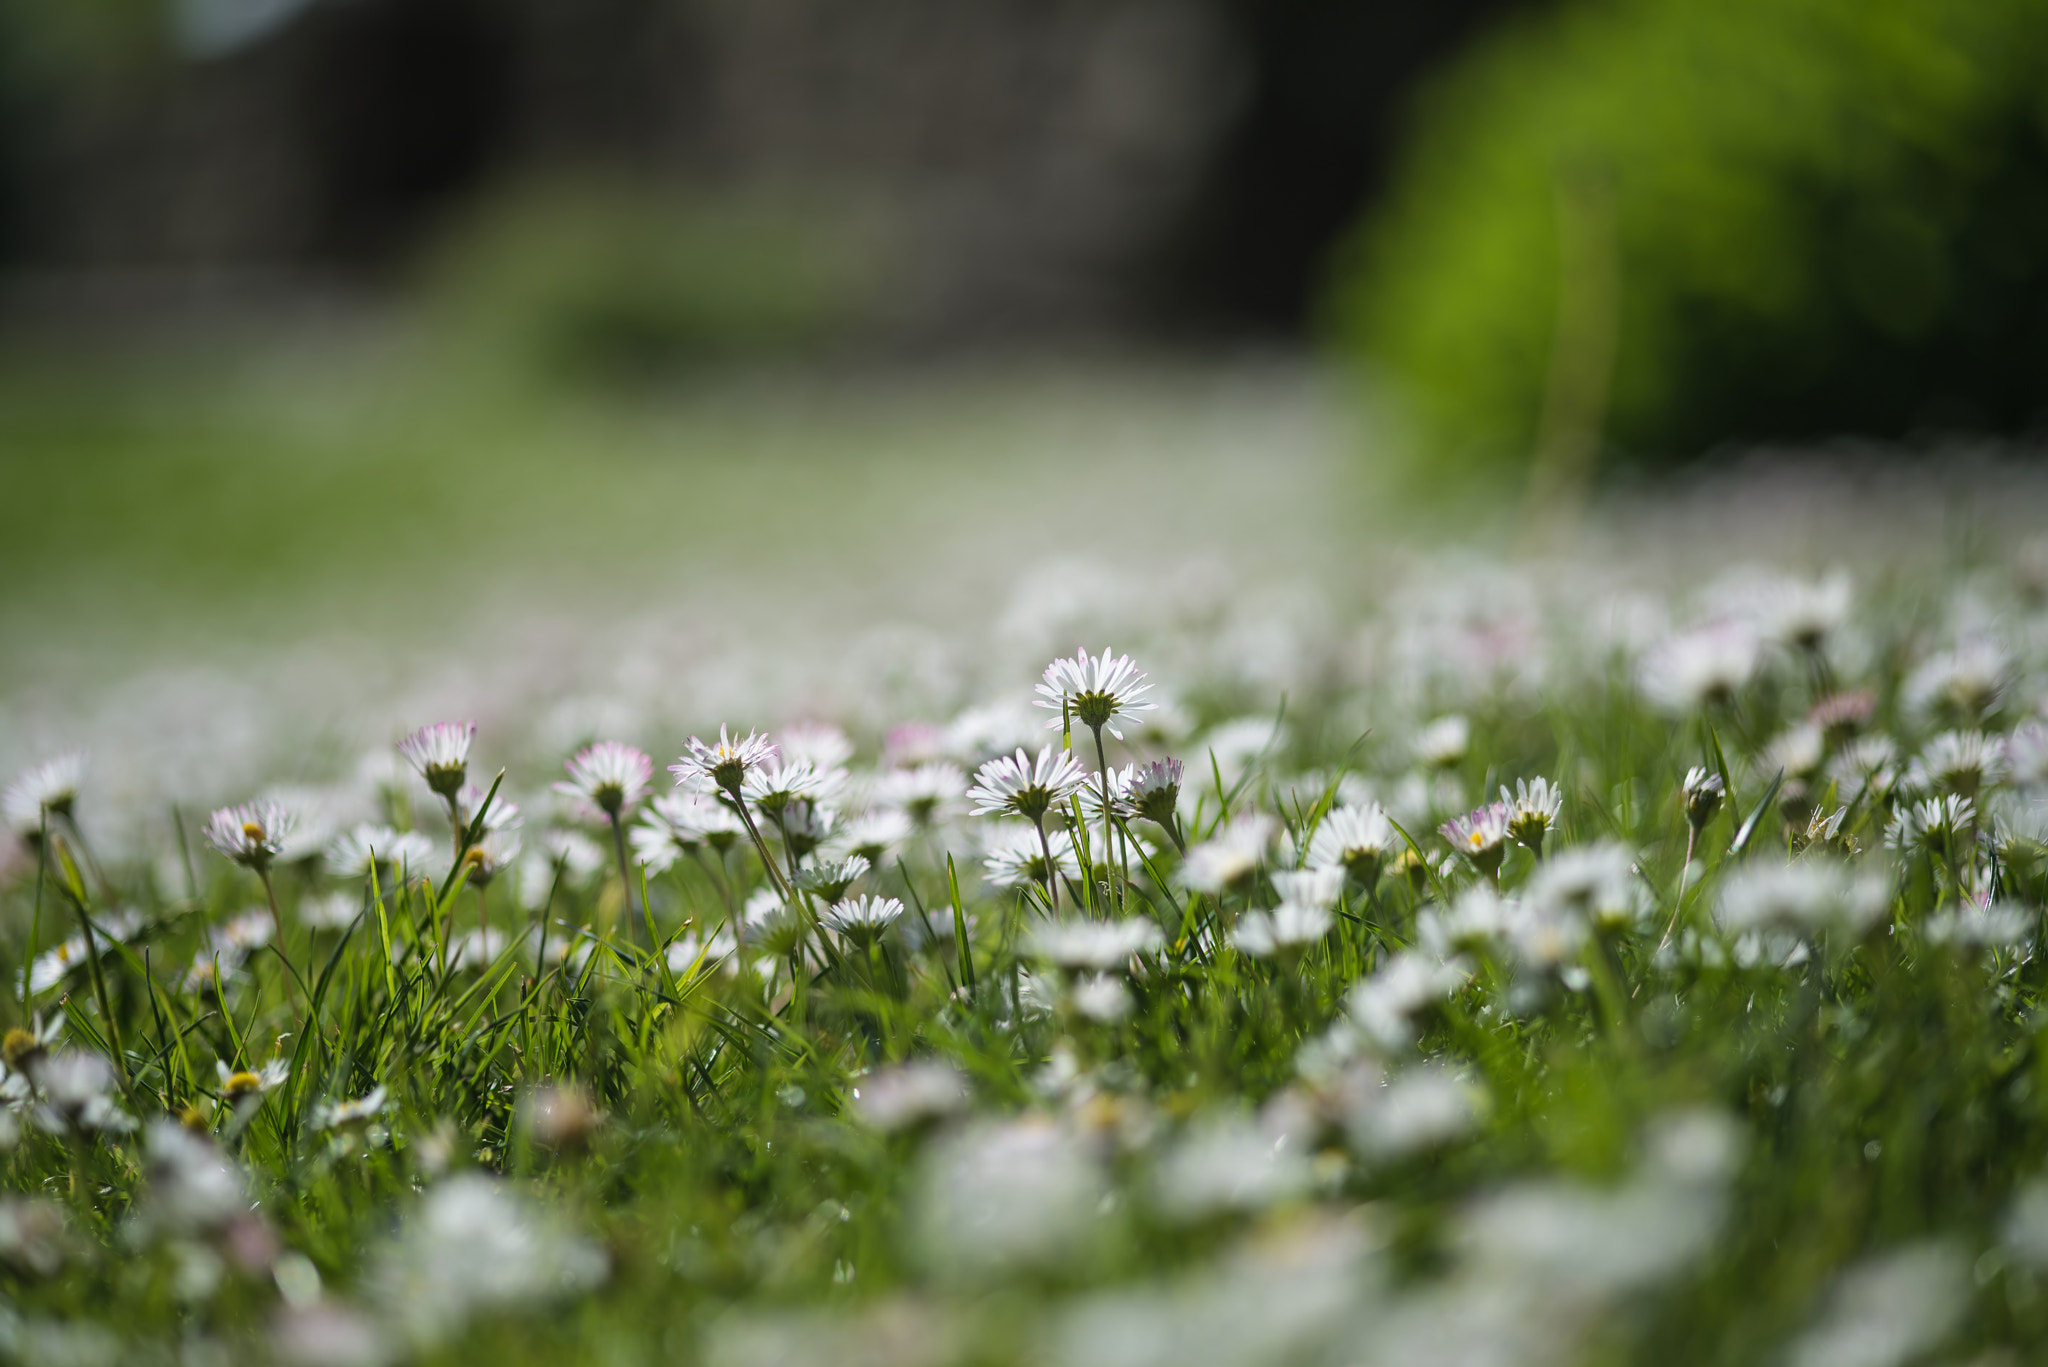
point(922, 793)
point(251, 834)
point(723, 765)
point(1097, 945)
point(1702, 668)
point(1096, 692)
point(874, 836)
point(1480, 835)
point(609, 776)
point(49, 787)
point(356, 849)
point(490, 856)
point(693, 819)
point(1355, 839)
point(1154, 791)
point(1021, 786)
point(1017, 856)
point(1702, 794)
point(440, 753)
point(1442, 744)
point(1283, 932)
point(1532, 810)
point(1959, 762)
point(1231, 855)
point(831, 879)
point(237, 1083)
point(863, 919)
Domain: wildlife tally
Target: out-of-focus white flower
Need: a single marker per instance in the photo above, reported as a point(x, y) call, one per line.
point(776, 787)
point(1960, 762)
point(1968, 681)
point(1478, 920)
point(1933, 823)
point(350, 1115)
point(1597, 882)
point(1021, 786)
point(353, 851)
point(607, 779)
point(1889, 1310)
point(722, 765)
point(1230, 855)
point(1420, 1108)
point(693, 819)
point(1000, 1196)
point(1802, 614)
point(2026, 754)
point(1386, 1005)
point(1017, 855)
point(1285, 931)
point(471, 1246)
point(501, 815)
point(1798, 750)
point(51, 786)
point(192, 1185)
point(440, 754)
point(1993, 927)
point(490, 856)
point(819, 744)
point(252, 834)
point(910, 1094)
point(1315, 886)
point(1101, 997)
point(1702, 794)
point(75, 1091)
point(1358, 840)
point(1097, 692)
point(1097, 945)
point(1227, 1163)
point(329, 1335)
point(1809, 896)
point(236, 1083)
point(1444, 742)
point(874, 836)
point(925, 793)
point(1705, 667)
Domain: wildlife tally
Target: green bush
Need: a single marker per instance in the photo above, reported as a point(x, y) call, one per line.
point(590, 279)
point(1778, 218)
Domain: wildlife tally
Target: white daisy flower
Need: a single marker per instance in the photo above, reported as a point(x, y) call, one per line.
point(1532, 810)
point(1101, 997)
point(51, 786)
point(1701, 794)
point(863, 919)
point(1096, 692)
point(1016, 856)
point(1097, 945)
point(1480, 835)
point(1231, 855)
point(1705, 667)
point(490, 856)
point(1358, 840)
point(1805, 615)
point(1282, 932)
point(352, 1114)
point(355, 849)
point(251, 834)
point(1807, 896)
point(722, 766)
point(502, 816)
point(820, 744)
point(1021, 786)
point(1969, 680)
point(694, 819)
point(1596, 883)
point(1153, 792)
point(875, 836)
point(608, 778)
point(910, 1094)
point(440, 753)
point(1311, 887)
point(1959, 762)
point(830, 879)
point(772, 787)
point(236, 1083)
point(924, 793)
point(1443, 743)
point(1387, 1005)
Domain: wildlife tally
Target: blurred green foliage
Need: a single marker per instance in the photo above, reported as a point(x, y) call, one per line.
point(1788, 218)
point(588, 279)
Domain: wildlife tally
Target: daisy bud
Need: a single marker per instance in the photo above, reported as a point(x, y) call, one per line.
point(1702, 796)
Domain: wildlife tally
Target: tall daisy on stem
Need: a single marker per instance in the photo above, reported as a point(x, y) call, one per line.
point(610, 778)
point(252, 834)
point(440, 755)
point(1098, 693)
point(722, 767)
point(1017, 785)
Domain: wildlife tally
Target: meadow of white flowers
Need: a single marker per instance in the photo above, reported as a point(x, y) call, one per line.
point(1535, 964)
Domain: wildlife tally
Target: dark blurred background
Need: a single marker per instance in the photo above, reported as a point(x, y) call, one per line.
point(1009, 166)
